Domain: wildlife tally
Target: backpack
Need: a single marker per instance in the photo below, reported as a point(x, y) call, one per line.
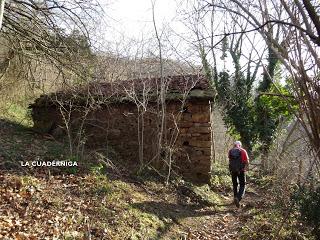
point(235, 164)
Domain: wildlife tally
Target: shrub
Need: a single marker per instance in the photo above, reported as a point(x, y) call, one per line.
point(308, 202)
point(220, 179)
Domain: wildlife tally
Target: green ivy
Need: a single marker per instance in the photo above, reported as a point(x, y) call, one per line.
point(308, 202)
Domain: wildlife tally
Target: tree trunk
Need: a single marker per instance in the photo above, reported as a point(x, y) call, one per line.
point(1, 11)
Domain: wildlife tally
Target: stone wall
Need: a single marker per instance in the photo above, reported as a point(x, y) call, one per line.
point(195, 139)
point(187, 132)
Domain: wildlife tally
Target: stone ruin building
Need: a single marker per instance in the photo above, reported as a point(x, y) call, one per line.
point(127, 116)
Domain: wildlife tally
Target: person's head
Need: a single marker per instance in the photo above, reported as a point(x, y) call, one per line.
point(237, 144)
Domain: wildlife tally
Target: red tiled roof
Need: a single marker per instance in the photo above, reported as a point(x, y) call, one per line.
point(176, 84)
point(123, 89)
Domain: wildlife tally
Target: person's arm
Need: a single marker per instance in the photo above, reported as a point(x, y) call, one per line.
point(245, 159)
point(229, 159)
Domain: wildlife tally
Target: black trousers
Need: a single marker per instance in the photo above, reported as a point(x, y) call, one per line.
point(238, 179)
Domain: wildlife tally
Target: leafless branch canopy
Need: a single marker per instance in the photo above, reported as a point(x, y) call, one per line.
point(51, 30)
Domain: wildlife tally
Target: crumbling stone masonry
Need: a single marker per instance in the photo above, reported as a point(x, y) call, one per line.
point(126, 114)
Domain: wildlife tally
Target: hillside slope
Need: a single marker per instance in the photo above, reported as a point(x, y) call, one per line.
point(100, 203)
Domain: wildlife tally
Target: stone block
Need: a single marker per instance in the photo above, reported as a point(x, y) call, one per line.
point(201, 117)
point(201, 168)
point(195, 134)
point(204, 163)
point(186, 117)
point(202, 124)
point(183, 130)
point(202, 137)
point(207, 152)
point(185, 124)
point(175, 117)
point(114, 132)
point(186, 136)
point(202, 160)
point(199, 130)
point(193, 108)
point(204, 144)
point(196, 151)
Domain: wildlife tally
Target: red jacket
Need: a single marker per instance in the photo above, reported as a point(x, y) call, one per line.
point(244, 155)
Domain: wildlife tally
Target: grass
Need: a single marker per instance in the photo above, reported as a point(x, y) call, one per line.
point(18, 113)
point(220, 178)
point(211, 197)
point(267, 219)
point(93, 201)
point(101, 185)
point(19, 144)
point(55, 150)
point(30, 181)
point(264, 181)
point(144, 224)
point(124, 221)
point(265, 225)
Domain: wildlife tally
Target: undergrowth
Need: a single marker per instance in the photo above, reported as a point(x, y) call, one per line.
point(220, 178)
point(17, 113)
point(276, 218)
point(270, 224)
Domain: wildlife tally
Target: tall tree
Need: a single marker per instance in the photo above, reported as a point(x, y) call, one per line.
point(266, 125)
point(297, 48)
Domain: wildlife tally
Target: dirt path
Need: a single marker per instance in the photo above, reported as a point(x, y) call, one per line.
point(220, 222)
point(227, 222)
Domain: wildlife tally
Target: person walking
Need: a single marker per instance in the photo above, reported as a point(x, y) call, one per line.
point(238, 164)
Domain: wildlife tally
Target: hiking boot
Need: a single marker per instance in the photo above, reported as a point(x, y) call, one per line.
point(237, 202)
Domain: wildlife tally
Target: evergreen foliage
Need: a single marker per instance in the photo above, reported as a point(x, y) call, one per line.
point(308, 205)
point(252, 119)
point(267, 117)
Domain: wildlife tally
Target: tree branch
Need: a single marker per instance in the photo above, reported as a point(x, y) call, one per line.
point(313, 15)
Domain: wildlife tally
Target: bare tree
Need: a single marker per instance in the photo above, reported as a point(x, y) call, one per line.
point(50, 31)
point(2, 2)
point(291, 31)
